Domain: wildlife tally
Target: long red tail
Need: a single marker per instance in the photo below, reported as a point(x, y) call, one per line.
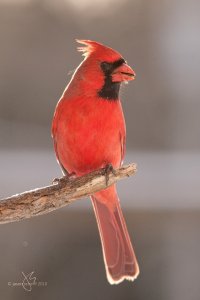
point(119, 256)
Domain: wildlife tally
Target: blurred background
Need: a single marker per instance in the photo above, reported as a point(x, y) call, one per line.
point(161, 41)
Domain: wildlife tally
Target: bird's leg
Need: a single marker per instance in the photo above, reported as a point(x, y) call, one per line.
point(66, 178)
point(108, 169)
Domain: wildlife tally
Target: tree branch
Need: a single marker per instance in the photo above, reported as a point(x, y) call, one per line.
point(46, 199)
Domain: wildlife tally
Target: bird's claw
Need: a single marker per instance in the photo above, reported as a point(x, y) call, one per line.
point(65, 179)
point(55, 180)
point(107, 170)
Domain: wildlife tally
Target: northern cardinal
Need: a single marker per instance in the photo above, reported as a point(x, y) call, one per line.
point(89, 133)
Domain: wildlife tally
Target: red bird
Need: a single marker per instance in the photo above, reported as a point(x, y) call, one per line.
point(89, 133)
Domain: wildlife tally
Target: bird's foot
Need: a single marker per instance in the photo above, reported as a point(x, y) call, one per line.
point(109, 169)
point(63, 180)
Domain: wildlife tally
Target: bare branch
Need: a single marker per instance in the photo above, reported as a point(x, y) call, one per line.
point(46, 199)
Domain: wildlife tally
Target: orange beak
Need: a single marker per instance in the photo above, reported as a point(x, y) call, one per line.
point(123, 73)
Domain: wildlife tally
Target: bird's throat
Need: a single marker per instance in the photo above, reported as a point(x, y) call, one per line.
point(110, 90)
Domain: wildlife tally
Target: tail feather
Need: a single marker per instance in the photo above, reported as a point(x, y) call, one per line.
point(119, 256)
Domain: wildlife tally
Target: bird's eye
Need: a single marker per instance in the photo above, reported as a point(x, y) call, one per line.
point(106, 67)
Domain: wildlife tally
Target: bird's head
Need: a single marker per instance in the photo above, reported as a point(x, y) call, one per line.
point(103, 69)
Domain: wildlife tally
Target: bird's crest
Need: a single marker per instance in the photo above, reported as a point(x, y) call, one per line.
point(92, 47)
point(89, 46)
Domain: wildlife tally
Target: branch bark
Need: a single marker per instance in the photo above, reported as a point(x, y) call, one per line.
point(46, 199)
